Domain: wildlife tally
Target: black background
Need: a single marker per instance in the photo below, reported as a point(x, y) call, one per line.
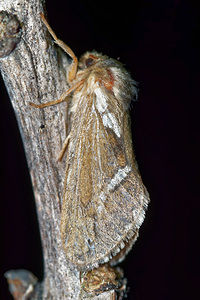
point(159, 43)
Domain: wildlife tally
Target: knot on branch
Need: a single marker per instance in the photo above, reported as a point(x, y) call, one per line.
point(10, 33)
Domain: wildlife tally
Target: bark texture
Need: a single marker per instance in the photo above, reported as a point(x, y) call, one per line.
point(35, 71)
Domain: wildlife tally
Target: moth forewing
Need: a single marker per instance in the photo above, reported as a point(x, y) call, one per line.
point(128, 140)
point(104, 198)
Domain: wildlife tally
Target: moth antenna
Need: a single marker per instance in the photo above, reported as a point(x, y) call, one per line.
point(73, 67)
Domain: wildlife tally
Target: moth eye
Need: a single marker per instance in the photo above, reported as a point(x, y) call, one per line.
point(89, 62)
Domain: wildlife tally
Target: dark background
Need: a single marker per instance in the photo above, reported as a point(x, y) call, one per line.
point(159, 43)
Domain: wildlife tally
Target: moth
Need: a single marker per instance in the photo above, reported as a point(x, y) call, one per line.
point(104, 199)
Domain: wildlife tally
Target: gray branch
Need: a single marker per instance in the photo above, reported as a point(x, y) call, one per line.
point(35, 71)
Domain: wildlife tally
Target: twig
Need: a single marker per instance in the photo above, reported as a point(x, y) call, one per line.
point(36, 71)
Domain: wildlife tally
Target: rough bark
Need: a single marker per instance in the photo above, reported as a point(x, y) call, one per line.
point(36, 71)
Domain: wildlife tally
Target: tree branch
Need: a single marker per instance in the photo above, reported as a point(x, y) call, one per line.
point(35, 71)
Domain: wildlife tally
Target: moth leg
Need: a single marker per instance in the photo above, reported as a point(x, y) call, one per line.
point(61, 99)
point(73, 66)
point(64, 148)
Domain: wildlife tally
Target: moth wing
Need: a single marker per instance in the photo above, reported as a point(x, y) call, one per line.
point(105, 199)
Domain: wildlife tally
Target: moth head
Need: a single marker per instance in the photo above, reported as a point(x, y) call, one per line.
point(89, 59)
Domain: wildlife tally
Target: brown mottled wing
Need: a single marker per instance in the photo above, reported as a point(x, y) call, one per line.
point(105, 199)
